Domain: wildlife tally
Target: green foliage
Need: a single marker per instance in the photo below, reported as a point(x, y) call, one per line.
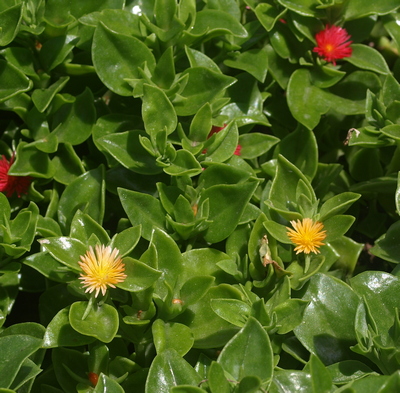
point(187, 137)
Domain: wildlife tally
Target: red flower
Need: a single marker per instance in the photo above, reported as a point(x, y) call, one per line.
point(215, 130)
point(333, 43)
point(10, 184)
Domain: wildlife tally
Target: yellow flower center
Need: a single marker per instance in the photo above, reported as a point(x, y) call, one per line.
point(307, 235)
point(102, 268)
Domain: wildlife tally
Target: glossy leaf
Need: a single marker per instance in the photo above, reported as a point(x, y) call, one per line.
point(248, 353)
point(330, 300)
point(101, 321)
point(142, 209)
point(168, 370)
point(117, 57)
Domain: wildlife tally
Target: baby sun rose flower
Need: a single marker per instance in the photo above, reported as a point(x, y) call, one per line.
point(333, 43)
point(102, 267)
point(12, 184)
point(307, 235)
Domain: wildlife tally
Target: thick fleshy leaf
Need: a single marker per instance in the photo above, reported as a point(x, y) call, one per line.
point(59, 333)
point(85, 193)
point(9, 22)
point(367, 58)
point(12, 81)
point(217, 22)
point(167, 370)
point(378, 289)
point(172, 335)
point(127, 150)
point(139, 275)
point(15, 349)
point(331, 301)
point(248, 353)
point(357, 8)
point(74, 122)
point(66, 250)
point(101, 321)
point(254, 61)
point(143, 209)
point(157, 110)
point(117, 57)
point(204, 85)
point(302, 93)
point(227, 203)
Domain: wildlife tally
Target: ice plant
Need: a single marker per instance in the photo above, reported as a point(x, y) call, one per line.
point(102, 268)
point(12, 184)
point(333, 43)
point(307, 235)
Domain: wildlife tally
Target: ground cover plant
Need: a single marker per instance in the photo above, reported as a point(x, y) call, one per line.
point(199, 196)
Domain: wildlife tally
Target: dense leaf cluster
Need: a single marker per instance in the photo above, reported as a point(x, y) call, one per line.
point(188, 135)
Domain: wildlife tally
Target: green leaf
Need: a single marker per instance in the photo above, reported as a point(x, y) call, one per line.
point(337, 226)
point(338, 204)
point(217, 380)
point(117, 57)
point(227, 203)
point(379, 289)
point(85, 193)
point(12, 81)
point(157, 110)
point(107, 384)
point(232, 310)
point(255, 144)
point(139, 275)
point(10, 20)
point(204, 85)
point(126, 148)
point(66, 361)
point(367, 58)
point(283, 193)
point(253, 61)
point(83, 227)
point(308, 103)
point(195, 288)
point(55, 50)
point(142, 209)
point(73, 122)
point(304, 7)
point(331, 300)
point(172, 335)
point(68, 165)
point(66, 250)
point(267, 14)
point(101, 322)
point(248, 353)
point(14, 350)
point(167, 370)
point(357, 8)
point(43, 97)
point(300, 148)
point(290, 314)
point(184, 164)
point(59, 333)
point(126, 240)
point(217, 22)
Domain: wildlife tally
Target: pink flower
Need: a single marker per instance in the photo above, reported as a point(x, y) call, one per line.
point(333, 43)
point(10, 184)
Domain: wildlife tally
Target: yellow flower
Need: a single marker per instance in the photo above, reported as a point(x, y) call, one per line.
point(101, 268)
point(307, 235)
